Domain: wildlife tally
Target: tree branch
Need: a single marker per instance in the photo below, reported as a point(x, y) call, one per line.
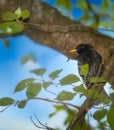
point(96, 16)
point(43, 126)
point(79, 117)
point(53, 101)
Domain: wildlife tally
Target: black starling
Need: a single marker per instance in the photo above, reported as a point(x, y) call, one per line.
point(88, 55)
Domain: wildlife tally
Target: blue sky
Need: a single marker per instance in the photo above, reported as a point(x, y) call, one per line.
point(11, 72)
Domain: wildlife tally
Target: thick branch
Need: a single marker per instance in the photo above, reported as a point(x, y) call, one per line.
point(78, 119)
point(48, 27)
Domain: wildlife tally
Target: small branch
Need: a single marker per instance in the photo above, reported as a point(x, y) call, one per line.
point(93, 12)
point(79, 117)
point(43, 99)
point(53, 101)
point(43, 126)
point(5, 108)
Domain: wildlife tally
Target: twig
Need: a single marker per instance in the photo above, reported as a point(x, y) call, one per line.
point(43, 126)
point(5, 108)
point(53, 101)
point(93, 12)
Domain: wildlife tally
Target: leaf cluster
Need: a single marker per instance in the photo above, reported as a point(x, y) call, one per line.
point(94, 13)
point(12, 22)
point(33, 88)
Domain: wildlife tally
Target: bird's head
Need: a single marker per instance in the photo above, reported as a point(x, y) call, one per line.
point(82, 48)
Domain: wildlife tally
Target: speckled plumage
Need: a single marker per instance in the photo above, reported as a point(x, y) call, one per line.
point(88, 55)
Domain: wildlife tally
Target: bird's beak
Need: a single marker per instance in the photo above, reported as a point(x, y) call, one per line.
point(74, 50)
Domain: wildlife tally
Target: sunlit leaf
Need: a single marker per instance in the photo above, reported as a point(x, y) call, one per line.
point(110, 117)
point(23, 84)
point(69, 79)
point(97, 80)
point(55, 74)
point(18, 12)
point(9, 16)
point(65, 95)
point(25, 14)
point(22, 104)
point(33, 90)
point(39, 72)
point(79, 88)
point(6, 101)
point(100, 114)
point(84, 70)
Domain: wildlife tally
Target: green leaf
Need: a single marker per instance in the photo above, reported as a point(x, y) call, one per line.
point(27, 58)
point(91, 93)
point(110, 117)
point(79, 88)
point(22, 104)
point(100, 114)
point(84, 70)
point(6, 43)
point(46, 84)
point(69, 79)
point(6, 101)
point(65, 95)
point(9, 16)
point(16, 27)
point(59, 107)
point(11, 27)
point(23, 84)
point(18, 12)
point(33, 90)
point(54, 74)
point(112, 98)
point(52, 114)
point(64, 3)
point(25, 14)
point(68, 118)
point(97, 80)
point(39, 72)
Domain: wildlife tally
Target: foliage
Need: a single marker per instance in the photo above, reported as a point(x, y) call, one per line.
point(13, 22)
point(28, 57)
point(33, 87)
point(94, 13)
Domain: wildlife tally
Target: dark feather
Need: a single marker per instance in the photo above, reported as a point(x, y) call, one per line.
point(88, 55)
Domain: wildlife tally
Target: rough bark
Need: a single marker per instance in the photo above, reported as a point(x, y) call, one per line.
point(49, 27)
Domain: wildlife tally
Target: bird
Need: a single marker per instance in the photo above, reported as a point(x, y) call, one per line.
point(88, 55)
